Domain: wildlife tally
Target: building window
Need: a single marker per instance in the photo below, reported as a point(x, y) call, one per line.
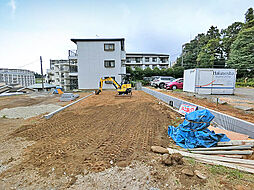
point(154, 59)
point(137, 60)
point(109, 47)
point(164, 60)
point(109, 63)
point(147, 59)
point(128, 60)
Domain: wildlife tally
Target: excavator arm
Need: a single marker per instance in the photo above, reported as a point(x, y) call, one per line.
point(116, 85)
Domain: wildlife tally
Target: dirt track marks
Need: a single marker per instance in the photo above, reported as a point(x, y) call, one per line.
point(96, 133)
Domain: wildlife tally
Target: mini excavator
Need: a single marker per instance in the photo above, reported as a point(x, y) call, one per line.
point(123, 90)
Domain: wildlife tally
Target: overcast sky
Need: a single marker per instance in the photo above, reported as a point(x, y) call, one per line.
point(30, 28)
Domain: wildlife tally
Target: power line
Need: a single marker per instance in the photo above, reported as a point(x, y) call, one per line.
point(30, 63)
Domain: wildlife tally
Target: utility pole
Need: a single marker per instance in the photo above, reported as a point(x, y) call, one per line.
point(182, 55)
point(42, 83)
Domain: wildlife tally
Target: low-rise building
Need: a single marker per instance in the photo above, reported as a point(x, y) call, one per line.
point(63, 73)
point(144, 60)
point(99, 58)
point(17, 76)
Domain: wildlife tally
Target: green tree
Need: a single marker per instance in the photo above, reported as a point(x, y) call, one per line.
point(242, 50)
point(229, 35)
point(211, 55)
point(178, 72)
point(212, 33)
point(156, 71)
point(249, 18)
point(138, 73)
point(148, 72)
point(249, 15)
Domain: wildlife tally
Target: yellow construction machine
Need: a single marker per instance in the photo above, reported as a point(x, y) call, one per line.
point(123, 90)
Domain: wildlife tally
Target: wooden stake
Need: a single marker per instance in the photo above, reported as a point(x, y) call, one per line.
point(208, 157)
point(243, 147)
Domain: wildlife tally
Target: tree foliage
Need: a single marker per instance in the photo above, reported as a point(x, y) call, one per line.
point(242, 50)
point(138, 74)
point(214, 48)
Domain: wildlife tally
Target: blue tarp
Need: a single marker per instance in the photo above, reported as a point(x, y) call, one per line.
point(194, 132)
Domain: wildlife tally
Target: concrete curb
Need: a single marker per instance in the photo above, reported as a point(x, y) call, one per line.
point(48, 116)
point(222, 120)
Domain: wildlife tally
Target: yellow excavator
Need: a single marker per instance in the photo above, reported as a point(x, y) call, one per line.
point(123, 89)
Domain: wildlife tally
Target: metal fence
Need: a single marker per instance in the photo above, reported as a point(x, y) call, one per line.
point(221, 120)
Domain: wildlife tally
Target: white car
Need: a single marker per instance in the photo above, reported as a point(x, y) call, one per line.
point(161, 81)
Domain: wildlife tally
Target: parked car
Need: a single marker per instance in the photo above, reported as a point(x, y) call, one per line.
point(175, 84)
point(160, 81)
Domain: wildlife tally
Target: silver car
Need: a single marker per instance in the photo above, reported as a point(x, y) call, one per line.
point(161, 81)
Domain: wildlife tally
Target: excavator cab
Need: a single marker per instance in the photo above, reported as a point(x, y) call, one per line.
point(123, 89)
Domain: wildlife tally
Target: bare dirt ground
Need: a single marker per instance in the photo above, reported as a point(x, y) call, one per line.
point(242, 97)
point(33, 99)
point(102, 143)
point(227, 109)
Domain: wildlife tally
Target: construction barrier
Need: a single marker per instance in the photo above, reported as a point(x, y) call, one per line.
point(222, 120)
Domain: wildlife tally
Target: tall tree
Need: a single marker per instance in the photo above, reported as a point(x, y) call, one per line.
point(242, 50)
point(228, 37)
point(249, 18)
point(212, 33)
point(211, 55)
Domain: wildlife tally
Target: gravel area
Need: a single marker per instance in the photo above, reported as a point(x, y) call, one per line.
point(131, 177)
point(28, 111)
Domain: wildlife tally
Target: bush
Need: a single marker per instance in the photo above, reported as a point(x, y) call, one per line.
point(241, 82)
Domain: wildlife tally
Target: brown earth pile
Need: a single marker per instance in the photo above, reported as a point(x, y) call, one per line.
point(95, 134)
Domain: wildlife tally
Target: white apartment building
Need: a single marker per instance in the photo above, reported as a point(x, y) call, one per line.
point(99, 58)
point(17, 76)
point(144, 60)
point(63, 73)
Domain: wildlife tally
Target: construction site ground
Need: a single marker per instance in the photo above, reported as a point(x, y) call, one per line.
point(246, 99)
point(101, 142)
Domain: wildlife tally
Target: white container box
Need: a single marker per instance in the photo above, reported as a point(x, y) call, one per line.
point(209, 81)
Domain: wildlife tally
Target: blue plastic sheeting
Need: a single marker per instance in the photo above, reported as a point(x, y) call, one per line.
point(194, 132)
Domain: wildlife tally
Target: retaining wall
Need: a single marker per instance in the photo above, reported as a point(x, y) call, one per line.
point(223, 121)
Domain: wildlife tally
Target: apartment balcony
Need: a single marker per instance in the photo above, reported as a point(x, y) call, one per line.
point(134, 63)
point(72, 54)
point(73, 74)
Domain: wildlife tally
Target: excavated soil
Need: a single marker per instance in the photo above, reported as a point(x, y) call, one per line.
point(94, 134)
point(102, 142)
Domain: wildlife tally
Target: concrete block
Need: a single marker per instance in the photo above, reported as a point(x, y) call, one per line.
point(220, 101)
point(244, 108)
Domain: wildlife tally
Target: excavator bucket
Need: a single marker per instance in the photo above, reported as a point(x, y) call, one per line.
point(97, 92)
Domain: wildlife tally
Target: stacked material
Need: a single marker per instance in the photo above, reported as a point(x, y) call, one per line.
point(228, 154)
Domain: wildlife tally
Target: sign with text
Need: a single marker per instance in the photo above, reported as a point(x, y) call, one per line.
point(186, 108)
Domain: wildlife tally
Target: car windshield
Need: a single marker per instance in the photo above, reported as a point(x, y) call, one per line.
point(177, 80)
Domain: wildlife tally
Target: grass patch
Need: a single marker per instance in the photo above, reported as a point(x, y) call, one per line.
point(230, 173)
point(192, 161)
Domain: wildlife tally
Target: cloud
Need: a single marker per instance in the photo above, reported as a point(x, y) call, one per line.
point(12, 4)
